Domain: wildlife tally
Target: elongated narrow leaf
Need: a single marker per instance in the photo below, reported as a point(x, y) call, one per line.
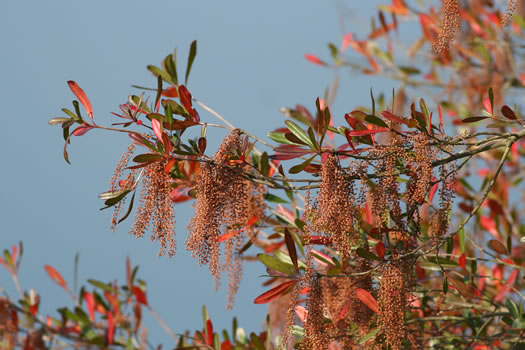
point(508, 113)
point(55, 276)
point(300, 167)
point(392, 117)
point(461, 287)
point(371, 335)
point(497, 246)
point(274, 264)
point(147, 157)
point(156, 71)
point(59, 120)
point(280, 137)
point(82, 97)
point(367, 299)
point(366, 132)
point(372, 119)
point(274, 292)
point(364, 253)
point(191, 58)
point(297, 131)
point(129, 209)
point(290, 245)
point(474, 119)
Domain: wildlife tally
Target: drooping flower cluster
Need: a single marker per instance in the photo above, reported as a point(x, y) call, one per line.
point(394, 287)
point(449, 25)
point(117, 183)
point(156, 208)
point(226, 201)
point(509, 12)
point(336, 208)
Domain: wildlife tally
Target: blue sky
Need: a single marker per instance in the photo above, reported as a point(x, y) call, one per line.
point(249, 64)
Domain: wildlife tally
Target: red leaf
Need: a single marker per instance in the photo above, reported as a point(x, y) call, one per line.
point(390, 116)
point(81, 130)
point(487, 105)
point(140, 295)
point(290, 245)
point(367, 299)
point(156, 128)
point(506, 287)
point(274, 292)
point(4, 264)
point(462, 259)
point(508, 113)
point(81, 95)
point(440, 117)
point(230, 234)
point(380, 250)
point(226, 345)
point(489, 225)
point(367, 132)
point(209, 332)
point(301, 313)
point(55, 276)
point(346, 41)
point(111, 327)
point(185, 99)
point(274, 246)
point(170, 92)
point(433, 190)
point(314, 59)
point(344, 310)
point(497, 246)
point(90, 303)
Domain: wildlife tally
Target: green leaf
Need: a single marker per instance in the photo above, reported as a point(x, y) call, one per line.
point(409, 70)
point(491, 98)
point(191, 57)
point(147, 157)
point(59, 120)
point(101, 285)
point(156, 71)
point(312, 136)
point(300, 167)
point(274, 264)
point(372, 119)
point(129, 208)
point(265, 166)
point(445, 285)
point(169, 66)
point(364, 253)
point(441, 261)
point(256, 341)
point(372, 334)
point(280, 137)
point(297, 131)
point(273, 198)
point(461, 238)
point(118, 196)
point(373, 102)
point(513, 309)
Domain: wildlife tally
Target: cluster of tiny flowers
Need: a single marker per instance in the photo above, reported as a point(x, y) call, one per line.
point(511, 7)
point(446, 195)
point(335, 207)
point(117, 183)
point(315, 333)
point(225, 202)
point(156, 208)
point(396, 282)
point(449, 26)
point(421, 167)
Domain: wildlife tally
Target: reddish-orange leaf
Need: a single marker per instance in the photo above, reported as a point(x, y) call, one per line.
point(301, 312)
point(466, 290)
point(185, 99)
point(169, 165)
point(367, 132)
point(111, 327)
point(490, 225)
point(81, 95)
point(390, 116)
point(313, 59)
point(506, 287)
point(226, 345)
point(4, 264)
point(487, 105)
point(343, 311)
point(14, 319)
point(273, 246)
point(367, 299)
point(55, 276)
point(230, 234)
point(462, 259)
point(420, 272)
point(380, 250)
point(170, 92)
point(433, 190)
point(156, 128)
point(81, 130)
point(90, 303)
point(290, 245)
point(440, 110)
point(209, 332)
point(140, 295)
point(497, 246)
point(274, 292)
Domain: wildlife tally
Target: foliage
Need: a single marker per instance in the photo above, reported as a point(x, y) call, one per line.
point(395, 230)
